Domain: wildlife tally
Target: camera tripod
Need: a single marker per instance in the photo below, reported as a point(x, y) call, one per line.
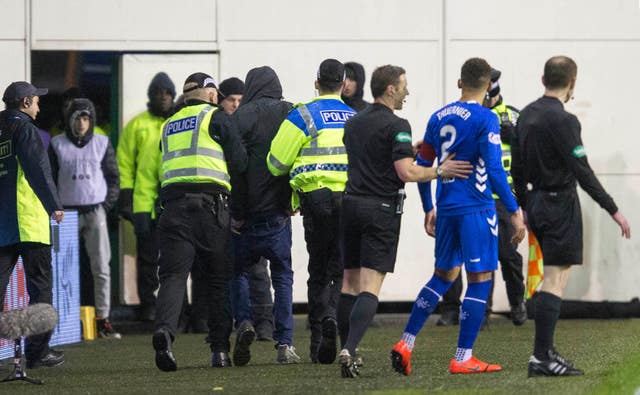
point(19, 372)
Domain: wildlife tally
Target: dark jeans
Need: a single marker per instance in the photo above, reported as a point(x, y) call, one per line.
point(510, 264)
point(36, 259)
point(254, 277)
point(321, 219)
point(195, 231)
point(147, 266)
point(269, 238)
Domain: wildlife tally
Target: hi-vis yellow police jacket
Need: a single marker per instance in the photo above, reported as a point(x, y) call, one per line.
point(309, 146)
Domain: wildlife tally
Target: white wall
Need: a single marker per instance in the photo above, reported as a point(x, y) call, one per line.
point(431, 39)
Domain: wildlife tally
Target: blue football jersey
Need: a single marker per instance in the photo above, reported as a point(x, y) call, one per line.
point(472, 132)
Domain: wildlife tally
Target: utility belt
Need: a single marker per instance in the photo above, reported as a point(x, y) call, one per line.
point(320, 202)
point(392, 202)
point(217, 203)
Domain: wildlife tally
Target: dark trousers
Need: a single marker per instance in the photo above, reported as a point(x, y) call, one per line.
point(36, 259)
point(194, 231)
point(269, 238)
point(147, 266)
point(321, 219)
point(510, 264)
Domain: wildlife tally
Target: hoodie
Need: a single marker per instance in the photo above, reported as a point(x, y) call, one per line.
point(77, 108)
point(80, 195)
point(160, 81)
point(356, 102)
point(262, 110)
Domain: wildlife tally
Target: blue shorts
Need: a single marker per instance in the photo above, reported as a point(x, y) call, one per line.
point(471, 239)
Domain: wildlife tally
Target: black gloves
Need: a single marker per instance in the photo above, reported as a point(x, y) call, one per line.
point(142, 224)
point(125, 204)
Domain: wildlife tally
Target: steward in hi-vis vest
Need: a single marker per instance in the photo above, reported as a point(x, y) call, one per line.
point(28, 198)
point(200, 154)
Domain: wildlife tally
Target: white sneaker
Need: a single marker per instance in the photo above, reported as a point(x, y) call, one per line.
point(287, 355)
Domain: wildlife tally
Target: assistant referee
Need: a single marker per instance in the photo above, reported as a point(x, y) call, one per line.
point(548, 160)
point(380, 157)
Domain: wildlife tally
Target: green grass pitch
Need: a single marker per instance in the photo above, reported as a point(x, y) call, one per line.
point(608, 351)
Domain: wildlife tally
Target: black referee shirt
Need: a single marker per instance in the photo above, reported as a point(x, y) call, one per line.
point(374, 139)
point(548, 153)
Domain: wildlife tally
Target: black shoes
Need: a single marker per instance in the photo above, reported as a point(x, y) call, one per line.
point(165, 360)
point(349, 369)
point(51, 359)
point(556, 365)
point(244, 337)
point(327, 348)
point(519, 314)
point(448, 318)
point(220, 360)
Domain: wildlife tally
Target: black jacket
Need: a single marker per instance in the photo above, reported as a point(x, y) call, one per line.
point(548, 154)
point(356, 102)
point(258, 119)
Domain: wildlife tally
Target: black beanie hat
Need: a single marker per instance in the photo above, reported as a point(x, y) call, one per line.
point(231, 86)
point(161, 81)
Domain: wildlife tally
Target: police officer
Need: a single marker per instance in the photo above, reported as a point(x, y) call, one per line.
point(380, 155)
point(139, 137)
point(309, 148)
point(548, 161)
point(201, 154)
point(28, 198)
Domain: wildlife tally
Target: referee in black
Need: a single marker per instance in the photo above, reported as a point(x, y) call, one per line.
point(548, 160)
point(380, 155)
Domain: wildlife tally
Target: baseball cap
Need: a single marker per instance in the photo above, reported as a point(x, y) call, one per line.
point(495, 87)
point(331, 70)
point(202, 80)
point(20, 89)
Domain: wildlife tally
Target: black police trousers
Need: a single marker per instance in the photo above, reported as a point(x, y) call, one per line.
point(321, 219)
point(194, 230)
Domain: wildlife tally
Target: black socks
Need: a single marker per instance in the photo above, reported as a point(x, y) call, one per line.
point(364, 309)
point(546, 315)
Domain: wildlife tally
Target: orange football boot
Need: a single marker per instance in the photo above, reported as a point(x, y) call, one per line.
point(472, 365)
point(401, 358)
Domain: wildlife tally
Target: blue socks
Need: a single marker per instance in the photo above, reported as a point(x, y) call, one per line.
point(424, 305)
point(472, 313)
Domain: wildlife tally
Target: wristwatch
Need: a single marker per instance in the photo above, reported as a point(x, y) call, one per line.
point(439, 172)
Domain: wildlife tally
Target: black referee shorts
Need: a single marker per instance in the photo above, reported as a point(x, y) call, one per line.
point(369, 232)
point(556, 220)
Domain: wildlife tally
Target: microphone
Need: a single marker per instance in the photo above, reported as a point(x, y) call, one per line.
point(32, 320)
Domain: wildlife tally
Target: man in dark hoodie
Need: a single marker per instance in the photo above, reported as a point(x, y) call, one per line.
point(261, 215)
point(84, 168)
point(230, 94)
point(354, 86)
point(142, 135)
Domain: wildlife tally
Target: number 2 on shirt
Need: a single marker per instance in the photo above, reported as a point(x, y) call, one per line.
point(448, 135)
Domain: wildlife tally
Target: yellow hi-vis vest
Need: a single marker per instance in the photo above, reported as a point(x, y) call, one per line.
point(321, 161)
point(189, 154)
point(505, 114)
